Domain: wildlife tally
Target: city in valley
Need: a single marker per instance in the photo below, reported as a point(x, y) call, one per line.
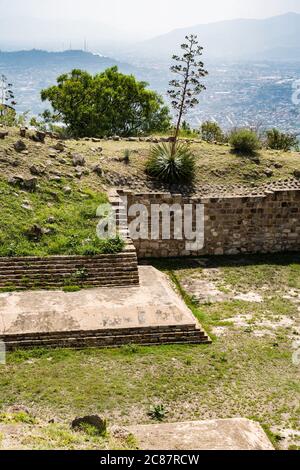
point(239, 93)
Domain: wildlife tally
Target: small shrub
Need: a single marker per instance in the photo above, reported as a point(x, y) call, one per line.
point(130, 349)
point(158, 412)
point(82, 273)
point(10, 118)
point(126, 157)
point(96, 246)
point(277, 140)
point(244, 141)
point(171, 168)
point(211, 132)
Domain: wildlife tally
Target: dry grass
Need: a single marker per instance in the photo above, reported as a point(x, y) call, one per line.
point(216, 165)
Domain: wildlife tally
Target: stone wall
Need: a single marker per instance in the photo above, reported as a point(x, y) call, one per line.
point(251, 224)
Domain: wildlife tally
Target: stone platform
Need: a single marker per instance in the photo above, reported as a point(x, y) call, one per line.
point(151, 313)
point(219, 434)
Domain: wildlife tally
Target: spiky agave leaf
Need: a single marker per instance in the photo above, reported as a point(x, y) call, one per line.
point(168, 167)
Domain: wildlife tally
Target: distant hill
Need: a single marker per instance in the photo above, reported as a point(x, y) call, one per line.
point(65, 60)
point(30, 71)
point(276, 38)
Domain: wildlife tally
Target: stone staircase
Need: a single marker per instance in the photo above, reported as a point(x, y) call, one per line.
point(120, 269)
point(183, 334)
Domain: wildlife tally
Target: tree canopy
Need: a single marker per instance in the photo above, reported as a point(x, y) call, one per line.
point(105, 104)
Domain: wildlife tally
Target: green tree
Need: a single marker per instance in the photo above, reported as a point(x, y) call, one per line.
point(109, 103)
point(211, 132)
point(10, 118)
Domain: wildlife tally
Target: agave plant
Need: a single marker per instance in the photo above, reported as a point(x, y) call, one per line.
point(169, 165)
point(158, 412)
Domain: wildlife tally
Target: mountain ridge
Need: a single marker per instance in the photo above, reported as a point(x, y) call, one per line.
point(68, 59)
point(232, 39)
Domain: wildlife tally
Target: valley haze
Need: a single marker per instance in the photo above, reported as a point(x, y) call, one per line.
point(253, 64)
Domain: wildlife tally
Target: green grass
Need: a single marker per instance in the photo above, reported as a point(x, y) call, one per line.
point(68, 221)
point(237, 377)
point(269, 271)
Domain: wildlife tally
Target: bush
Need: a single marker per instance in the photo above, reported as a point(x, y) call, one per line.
point(244, 141)
point(168, 167)
point(277, 140)
point(212, 132)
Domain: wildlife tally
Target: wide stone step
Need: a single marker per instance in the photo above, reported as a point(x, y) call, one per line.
point(71, 340)
point(91, 270)
point(61, 278)
point(191, 328)
point(59, 284)
point(62, 273)
point(63, 281)
point(66, 261)
point(69, 268)
point(63, 258)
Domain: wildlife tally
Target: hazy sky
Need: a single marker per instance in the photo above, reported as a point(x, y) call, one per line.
point(147, 17)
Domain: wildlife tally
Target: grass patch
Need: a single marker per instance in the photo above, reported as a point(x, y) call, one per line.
point(239, 375)
point(16, 418)
point(269, 271)
point(71, 289)
point(274, 438)
point(66, 222)
point(60, 437)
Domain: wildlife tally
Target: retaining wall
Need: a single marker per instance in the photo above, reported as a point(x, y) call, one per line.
point(232, 225)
